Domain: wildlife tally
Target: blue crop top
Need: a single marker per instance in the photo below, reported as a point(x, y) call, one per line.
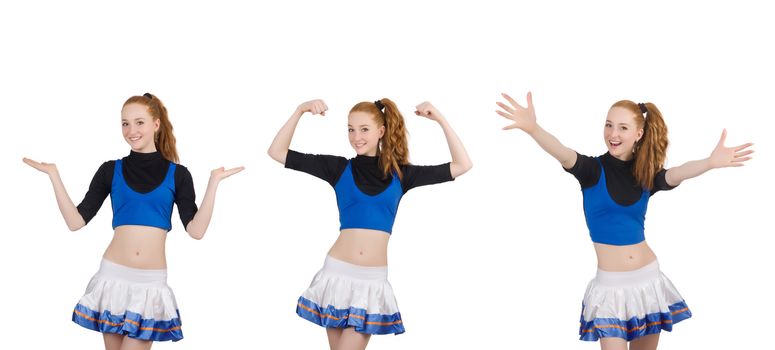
point(614, 204)
point(360, 210)
point(148, 209)
point(610, 222)
point(366, 199)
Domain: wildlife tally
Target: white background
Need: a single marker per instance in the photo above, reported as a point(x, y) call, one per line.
point(497, 259)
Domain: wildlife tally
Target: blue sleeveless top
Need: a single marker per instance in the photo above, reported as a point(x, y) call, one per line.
point(147, 209)
point(359, 210)
point(610, 222)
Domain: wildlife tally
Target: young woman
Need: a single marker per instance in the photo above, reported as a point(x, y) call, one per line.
point(128, 300)
point(630, 300)
point(351, 296)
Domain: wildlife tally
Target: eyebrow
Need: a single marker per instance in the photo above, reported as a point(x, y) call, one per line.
point(358, 125)
point(608, 121)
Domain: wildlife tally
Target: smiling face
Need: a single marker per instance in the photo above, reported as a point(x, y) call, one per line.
point(621, 132)
point(364, 133)
point(139, 127)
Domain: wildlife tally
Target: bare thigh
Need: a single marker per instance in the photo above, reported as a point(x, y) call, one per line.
point(135, 344)
point(648, 342)
point(333, 337)
point(112, 341)
point(613, 343)
point(352, 340)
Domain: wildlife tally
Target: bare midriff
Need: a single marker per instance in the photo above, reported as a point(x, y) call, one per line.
point(362, 247)
point(140, 247)
point(623, 257)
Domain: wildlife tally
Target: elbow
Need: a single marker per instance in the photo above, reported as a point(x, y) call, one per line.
point(197, 235)
point(75, 226)
point(276, 155)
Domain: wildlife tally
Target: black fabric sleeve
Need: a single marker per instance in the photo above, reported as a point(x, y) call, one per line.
point(586, 170)
point(660, 183)
point(99, 189)
point(421, 175)
point(184, 195)
point(328, 168)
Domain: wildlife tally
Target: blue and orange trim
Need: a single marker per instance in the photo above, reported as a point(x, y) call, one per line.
point(634, 328)
point(130, 324)
point(331, 317)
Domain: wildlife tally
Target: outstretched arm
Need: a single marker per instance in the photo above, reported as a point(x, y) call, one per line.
point(282, 141)
point(461, 163)
point(70, 213)
point(525, 119)
point(197, 227)
point(721, 157)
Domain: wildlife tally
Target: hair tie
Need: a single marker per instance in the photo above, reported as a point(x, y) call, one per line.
point(379, 105)
point(643, 108)
point(148, 95)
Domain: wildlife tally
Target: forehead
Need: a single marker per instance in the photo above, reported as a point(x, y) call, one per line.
point(619, 115)
point(361, 118)
point(134, 111)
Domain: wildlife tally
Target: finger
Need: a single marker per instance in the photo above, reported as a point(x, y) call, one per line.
point(505, 107)
point(723, 137)
point(529, 99)
point(511, 100)
point(745, 153)
point(505, 115)
point(740, 160)
point(233, 171)
point(512, 126)
point(742, 147)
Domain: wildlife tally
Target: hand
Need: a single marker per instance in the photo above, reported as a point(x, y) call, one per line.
point(524, 118)
point(722, 157)
point(427, 110)
point(314, 107)
point(220, 174)
point(47, 168)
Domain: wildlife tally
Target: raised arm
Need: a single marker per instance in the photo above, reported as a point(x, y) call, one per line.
point(721, 157)
point(525, 119)
point(197, 227)
point(282, 141)
point(70, 213)
point(461, 163)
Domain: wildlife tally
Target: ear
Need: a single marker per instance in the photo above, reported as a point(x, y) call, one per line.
point(381, 131)
point(640, 134)
point(156, 123)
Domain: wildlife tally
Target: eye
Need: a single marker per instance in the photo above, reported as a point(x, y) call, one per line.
point(364, 129)
point(350, 130)
point(124, 124)
point(140, 122)
point(624, 128)
point(607, 125)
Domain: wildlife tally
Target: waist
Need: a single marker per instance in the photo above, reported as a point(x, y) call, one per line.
point(623, 257)
point(138, 247)
point(361, 247)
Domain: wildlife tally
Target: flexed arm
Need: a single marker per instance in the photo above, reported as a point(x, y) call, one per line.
point(721, 157)
point(197, 227)
point(282, 141)
point(461, 163)
point(525, 119)
point(70, 213)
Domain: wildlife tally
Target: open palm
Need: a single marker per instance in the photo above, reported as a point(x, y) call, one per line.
point(523, 118)
point(722, 156)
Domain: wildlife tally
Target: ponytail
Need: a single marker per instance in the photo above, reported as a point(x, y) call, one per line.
point(393, 151)
point(651, 150)
point(164, 139)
